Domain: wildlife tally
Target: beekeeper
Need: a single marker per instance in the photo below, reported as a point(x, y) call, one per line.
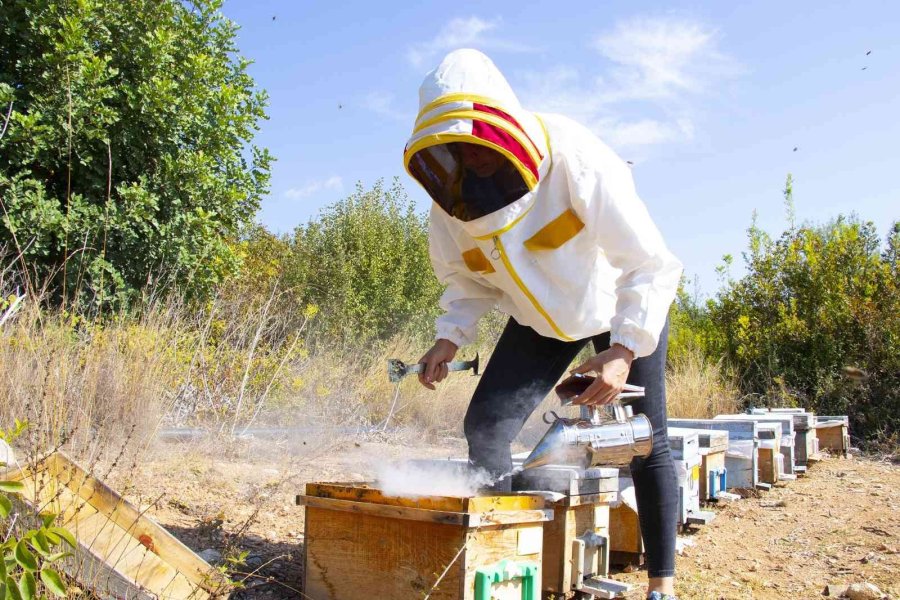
point(534, 214)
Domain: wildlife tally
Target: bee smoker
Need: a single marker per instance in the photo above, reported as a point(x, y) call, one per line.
point(610, 435)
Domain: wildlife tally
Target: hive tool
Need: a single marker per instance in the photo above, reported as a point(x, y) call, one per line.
point(397, 369)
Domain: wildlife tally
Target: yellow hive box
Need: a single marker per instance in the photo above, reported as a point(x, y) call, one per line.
point(361, 544)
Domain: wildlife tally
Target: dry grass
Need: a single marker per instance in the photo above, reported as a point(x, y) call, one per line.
point(233, 364)
point(698, 388)
point(77, 383)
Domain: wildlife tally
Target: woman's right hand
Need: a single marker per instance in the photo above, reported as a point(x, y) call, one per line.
point(436, 361)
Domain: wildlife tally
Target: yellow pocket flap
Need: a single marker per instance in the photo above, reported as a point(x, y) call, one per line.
point(555, 233)
point(477, 261)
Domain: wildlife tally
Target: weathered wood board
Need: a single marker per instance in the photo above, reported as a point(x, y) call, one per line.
point(121, 552)
point(626, 544)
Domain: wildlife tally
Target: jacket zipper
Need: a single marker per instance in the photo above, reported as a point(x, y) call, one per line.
point(498, 247)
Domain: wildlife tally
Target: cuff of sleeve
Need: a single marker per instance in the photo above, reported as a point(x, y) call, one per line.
point(454, 334)
point(628, 342)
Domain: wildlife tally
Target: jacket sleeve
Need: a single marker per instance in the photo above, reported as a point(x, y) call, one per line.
point(465, 300)
point(632, 243)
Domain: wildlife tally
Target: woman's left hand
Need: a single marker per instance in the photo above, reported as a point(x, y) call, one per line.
point(611, 367)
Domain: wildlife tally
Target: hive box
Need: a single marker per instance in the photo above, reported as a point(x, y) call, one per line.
point(685, 447)
point(786, 443)
point(771, 462)
point(833, 433)
point(362, 544)
point(742, 456)
point(806, 444)
point(713, 473)
point(576, 541)
point(120, 552)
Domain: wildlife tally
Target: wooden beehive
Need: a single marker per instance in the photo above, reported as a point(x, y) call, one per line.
point(770, 452)
point(806, 444)
point(685, 448)
point(121, 552)
point(362, 544)
point(786, 443)
point(742, 456)
point(713, 473)
point(576, 541)
point(833, 433)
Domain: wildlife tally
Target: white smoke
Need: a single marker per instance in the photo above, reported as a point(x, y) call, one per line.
point(413, 479)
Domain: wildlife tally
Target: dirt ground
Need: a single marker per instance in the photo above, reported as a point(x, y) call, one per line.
point(839, 524)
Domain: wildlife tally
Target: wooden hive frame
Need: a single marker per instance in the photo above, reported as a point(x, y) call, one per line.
point(121, 552)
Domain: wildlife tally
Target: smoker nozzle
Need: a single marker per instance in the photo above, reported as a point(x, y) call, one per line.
point(586, 443)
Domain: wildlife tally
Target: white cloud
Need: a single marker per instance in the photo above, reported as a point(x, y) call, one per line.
point(661, 57)
point(384, 104)
point(644, 88)
point(647, 95)
point(334, 183)
point(643, 132)
point(462, 33)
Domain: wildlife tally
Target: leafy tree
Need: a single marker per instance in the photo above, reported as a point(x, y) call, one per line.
point(127, 156)
point(364, 262)
point(691, 328)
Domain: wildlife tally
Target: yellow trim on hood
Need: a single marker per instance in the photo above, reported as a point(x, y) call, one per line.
point(446, 138)
point(462, 97)
point(546, 135)
point(494, 120)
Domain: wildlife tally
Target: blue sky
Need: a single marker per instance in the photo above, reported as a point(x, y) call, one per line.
point(707, 99)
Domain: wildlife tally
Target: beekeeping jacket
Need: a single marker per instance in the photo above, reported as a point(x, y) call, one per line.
point(575, 255)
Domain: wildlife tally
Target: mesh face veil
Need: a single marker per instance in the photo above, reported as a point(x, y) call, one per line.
point(465, 189)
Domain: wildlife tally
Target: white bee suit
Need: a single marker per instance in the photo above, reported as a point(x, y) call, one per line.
point(575, 256)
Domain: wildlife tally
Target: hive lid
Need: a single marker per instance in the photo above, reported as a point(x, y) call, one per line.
point(366, 492)
point(571, 481)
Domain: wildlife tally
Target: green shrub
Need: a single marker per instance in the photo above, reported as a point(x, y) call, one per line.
point(364, 263)
point(816, 321)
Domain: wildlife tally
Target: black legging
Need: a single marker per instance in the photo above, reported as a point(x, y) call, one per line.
point(522, 371)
